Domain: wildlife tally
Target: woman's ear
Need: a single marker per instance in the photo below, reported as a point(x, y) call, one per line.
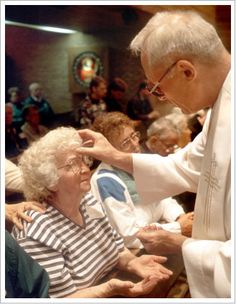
point(187, 68)
point(53, 188)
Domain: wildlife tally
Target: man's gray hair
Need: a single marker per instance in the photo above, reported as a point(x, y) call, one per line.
point(38, 162)
point(173, 35)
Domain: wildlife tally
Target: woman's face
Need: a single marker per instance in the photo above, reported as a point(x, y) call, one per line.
point(127, 141)
point(74, 174)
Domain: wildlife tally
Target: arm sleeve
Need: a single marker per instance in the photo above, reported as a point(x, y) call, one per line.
point(13, 178)
point(171, 209)
point(24, 277)
point(119, 208)
point(208, 265)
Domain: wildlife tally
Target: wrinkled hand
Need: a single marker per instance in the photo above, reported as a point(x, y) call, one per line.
point(96, 145)
point(161, 241)
point(147, 265)
point(186, 223)
point(129, 289)
point(15, 212)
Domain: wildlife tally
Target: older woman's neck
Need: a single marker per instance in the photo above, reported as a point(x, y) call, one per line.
point(69, 207)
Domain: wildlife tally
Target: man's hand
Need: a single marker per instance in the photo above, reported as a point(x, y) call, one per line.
point(149, 265)
point(15, 212)
point(186, 223)
point(160, 241)
point(97, 146)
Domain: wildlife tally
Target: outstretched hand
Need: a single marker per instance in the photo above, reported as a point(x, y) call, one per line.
point(150, 265)
point(15, 213)
point(130, 290)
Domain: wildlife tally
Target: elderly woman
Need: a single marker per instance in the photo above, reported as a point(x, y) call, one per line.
point(73, 239)
point(127, 212)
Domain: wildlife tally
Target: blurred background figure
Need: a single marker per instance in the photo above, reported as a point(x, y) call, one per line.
point(196, 121)
point(14, 141)
point(14, 97)
point(36, 98)
point(162, 137)
point(115, 95)
point(180, 121)
point(32, 128)
point(93, 104)
point(140, 108)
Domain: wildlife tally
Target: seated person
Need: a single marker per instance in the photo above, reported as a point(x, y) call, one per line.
point(32, 128)
point(73, 239)
point(115, 95)
point(117, 190)
point(162, 137)
point(139, 107)
point(93, 104)
point(14, 97)
point(36, 98)
point(14, 142)
point(180, 121)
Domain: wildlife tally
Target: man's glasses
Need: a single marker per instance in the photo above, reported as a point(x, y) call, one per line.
point(126, 144)
point(156, 90)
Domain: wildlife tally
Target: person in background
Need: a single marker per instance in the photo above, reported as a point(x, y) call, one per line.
point(32, 128)
point(180, 122)
point(14, 142)
point(36, 98)
point(76, 244)
point(162, 137)
point(140, 108)
point(191, 71)
point(126, 211)
point(14, 97)
point(196, 122)
point(115, 95)
point(93, 105)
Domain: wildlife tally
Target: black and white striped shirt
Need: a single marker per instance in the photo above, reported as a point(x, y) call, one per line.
point(75, 257)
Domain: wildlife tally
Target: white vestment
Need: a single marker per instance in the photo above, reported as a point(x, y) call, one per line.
point(203, 166)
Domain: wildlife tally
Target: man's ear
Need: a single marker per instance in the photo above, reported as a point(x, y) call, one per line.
point(187, 68)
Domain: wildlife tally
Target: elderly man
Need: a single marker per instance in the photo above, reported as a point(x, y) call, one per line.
point(187, 64)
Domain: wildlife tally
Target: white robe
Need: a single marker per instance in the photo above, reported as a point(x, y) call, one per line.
point(203, 166)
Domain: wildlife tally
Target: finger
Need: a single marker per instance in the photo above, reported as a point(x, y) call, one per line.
point(24, 217)
point(86, 134)
point(159, 259)
point(17, 222)
point(34, 206)
point(165, 271)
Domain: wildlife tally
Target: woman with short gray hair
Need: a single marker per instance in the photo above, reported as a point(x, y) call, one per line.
point(73, 240)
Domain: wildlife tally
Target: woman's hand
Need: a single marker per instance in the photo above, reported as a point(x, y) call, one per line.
point(149, 265)
point(128, 289)
point(15, 212)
